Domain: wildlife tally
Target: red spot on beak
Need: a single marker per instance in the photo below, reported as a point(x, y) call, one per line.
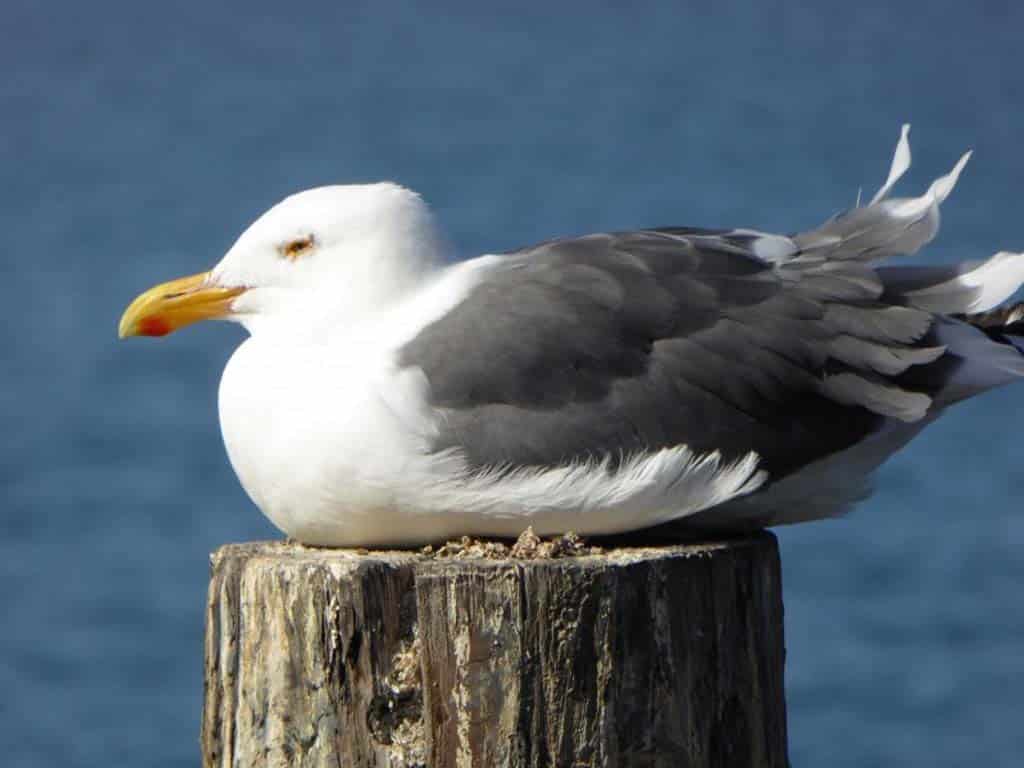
point(153, 326)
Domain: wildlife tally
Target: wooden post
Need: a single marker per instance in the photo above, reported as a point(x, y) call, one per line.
point(669, 656)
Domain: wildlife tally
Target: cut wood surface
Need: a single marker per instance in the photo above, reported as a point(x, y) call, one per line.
point(636, 656)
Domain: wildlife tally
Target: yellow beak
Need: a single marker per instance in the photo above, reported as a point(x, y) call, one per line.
point(170, 306)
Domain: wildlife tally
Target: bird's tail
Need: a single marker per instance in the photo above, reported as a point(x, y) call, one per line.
point(962, 305)
point(1003, 324)
point(983, 337)
point(923, 337)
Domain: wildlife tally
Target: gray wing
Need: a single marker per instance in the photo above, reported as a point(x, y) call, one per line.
point(613, 344)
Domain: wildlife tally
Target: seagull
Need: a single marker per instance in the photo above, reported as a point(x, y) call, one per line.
point(718, 379)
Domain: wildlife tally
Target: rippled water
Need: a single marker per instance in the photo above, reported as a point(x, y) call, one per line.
point(135, 143)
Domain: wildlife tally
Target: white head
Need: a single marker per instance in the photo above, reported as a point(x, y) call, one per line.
point(326, 255)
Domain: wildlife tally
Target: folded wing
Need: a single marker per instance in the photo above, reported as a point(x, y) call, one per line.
point(730, 342)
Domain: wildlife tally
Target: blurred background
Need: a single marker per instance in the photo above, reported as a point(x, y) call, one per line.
point(137, 141)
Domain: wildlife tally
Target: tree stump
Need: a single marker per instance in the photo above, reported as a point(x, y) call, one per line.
point(642, 656)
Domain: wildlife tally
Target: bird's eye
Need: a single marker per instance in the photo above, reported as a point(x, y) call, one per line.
point(298, 247)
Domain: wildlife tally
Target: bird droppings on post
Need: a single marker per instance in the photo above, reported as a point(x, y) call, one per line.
point(529, 546)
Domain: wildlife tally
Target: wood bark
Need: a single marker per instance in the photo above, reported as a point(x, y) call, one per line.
point(651, 656)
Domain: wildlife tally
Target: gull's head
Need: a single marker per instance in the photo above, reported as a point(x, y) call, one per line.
point(324, 255)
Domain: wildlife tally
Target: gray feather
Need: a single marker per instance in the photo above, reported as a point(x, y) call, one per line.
point(613, 344)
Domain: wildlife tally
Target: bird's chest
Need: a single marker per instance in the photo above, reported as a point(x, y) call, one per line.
point(318, 436)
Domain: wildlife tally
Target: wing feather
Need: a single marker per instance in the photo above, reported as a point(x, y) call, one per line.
point(724, 341)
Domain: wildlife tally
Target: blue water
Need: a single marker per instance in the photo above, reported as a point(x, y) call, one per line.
point(135, 143)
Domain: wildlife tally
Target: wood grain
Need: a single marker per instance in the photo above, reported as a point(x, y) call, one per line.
point(654, 656)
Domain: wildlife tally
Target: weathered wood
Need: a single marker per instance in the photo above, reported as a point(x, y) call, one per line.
point(668, 656)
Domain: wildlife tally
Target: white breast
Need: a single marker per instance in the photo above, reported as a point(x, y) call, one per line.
point(320, 440)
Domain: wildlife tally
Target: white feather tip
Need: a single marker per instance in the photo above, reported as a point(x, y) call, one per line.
point(942, 186)
point(900, 165)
